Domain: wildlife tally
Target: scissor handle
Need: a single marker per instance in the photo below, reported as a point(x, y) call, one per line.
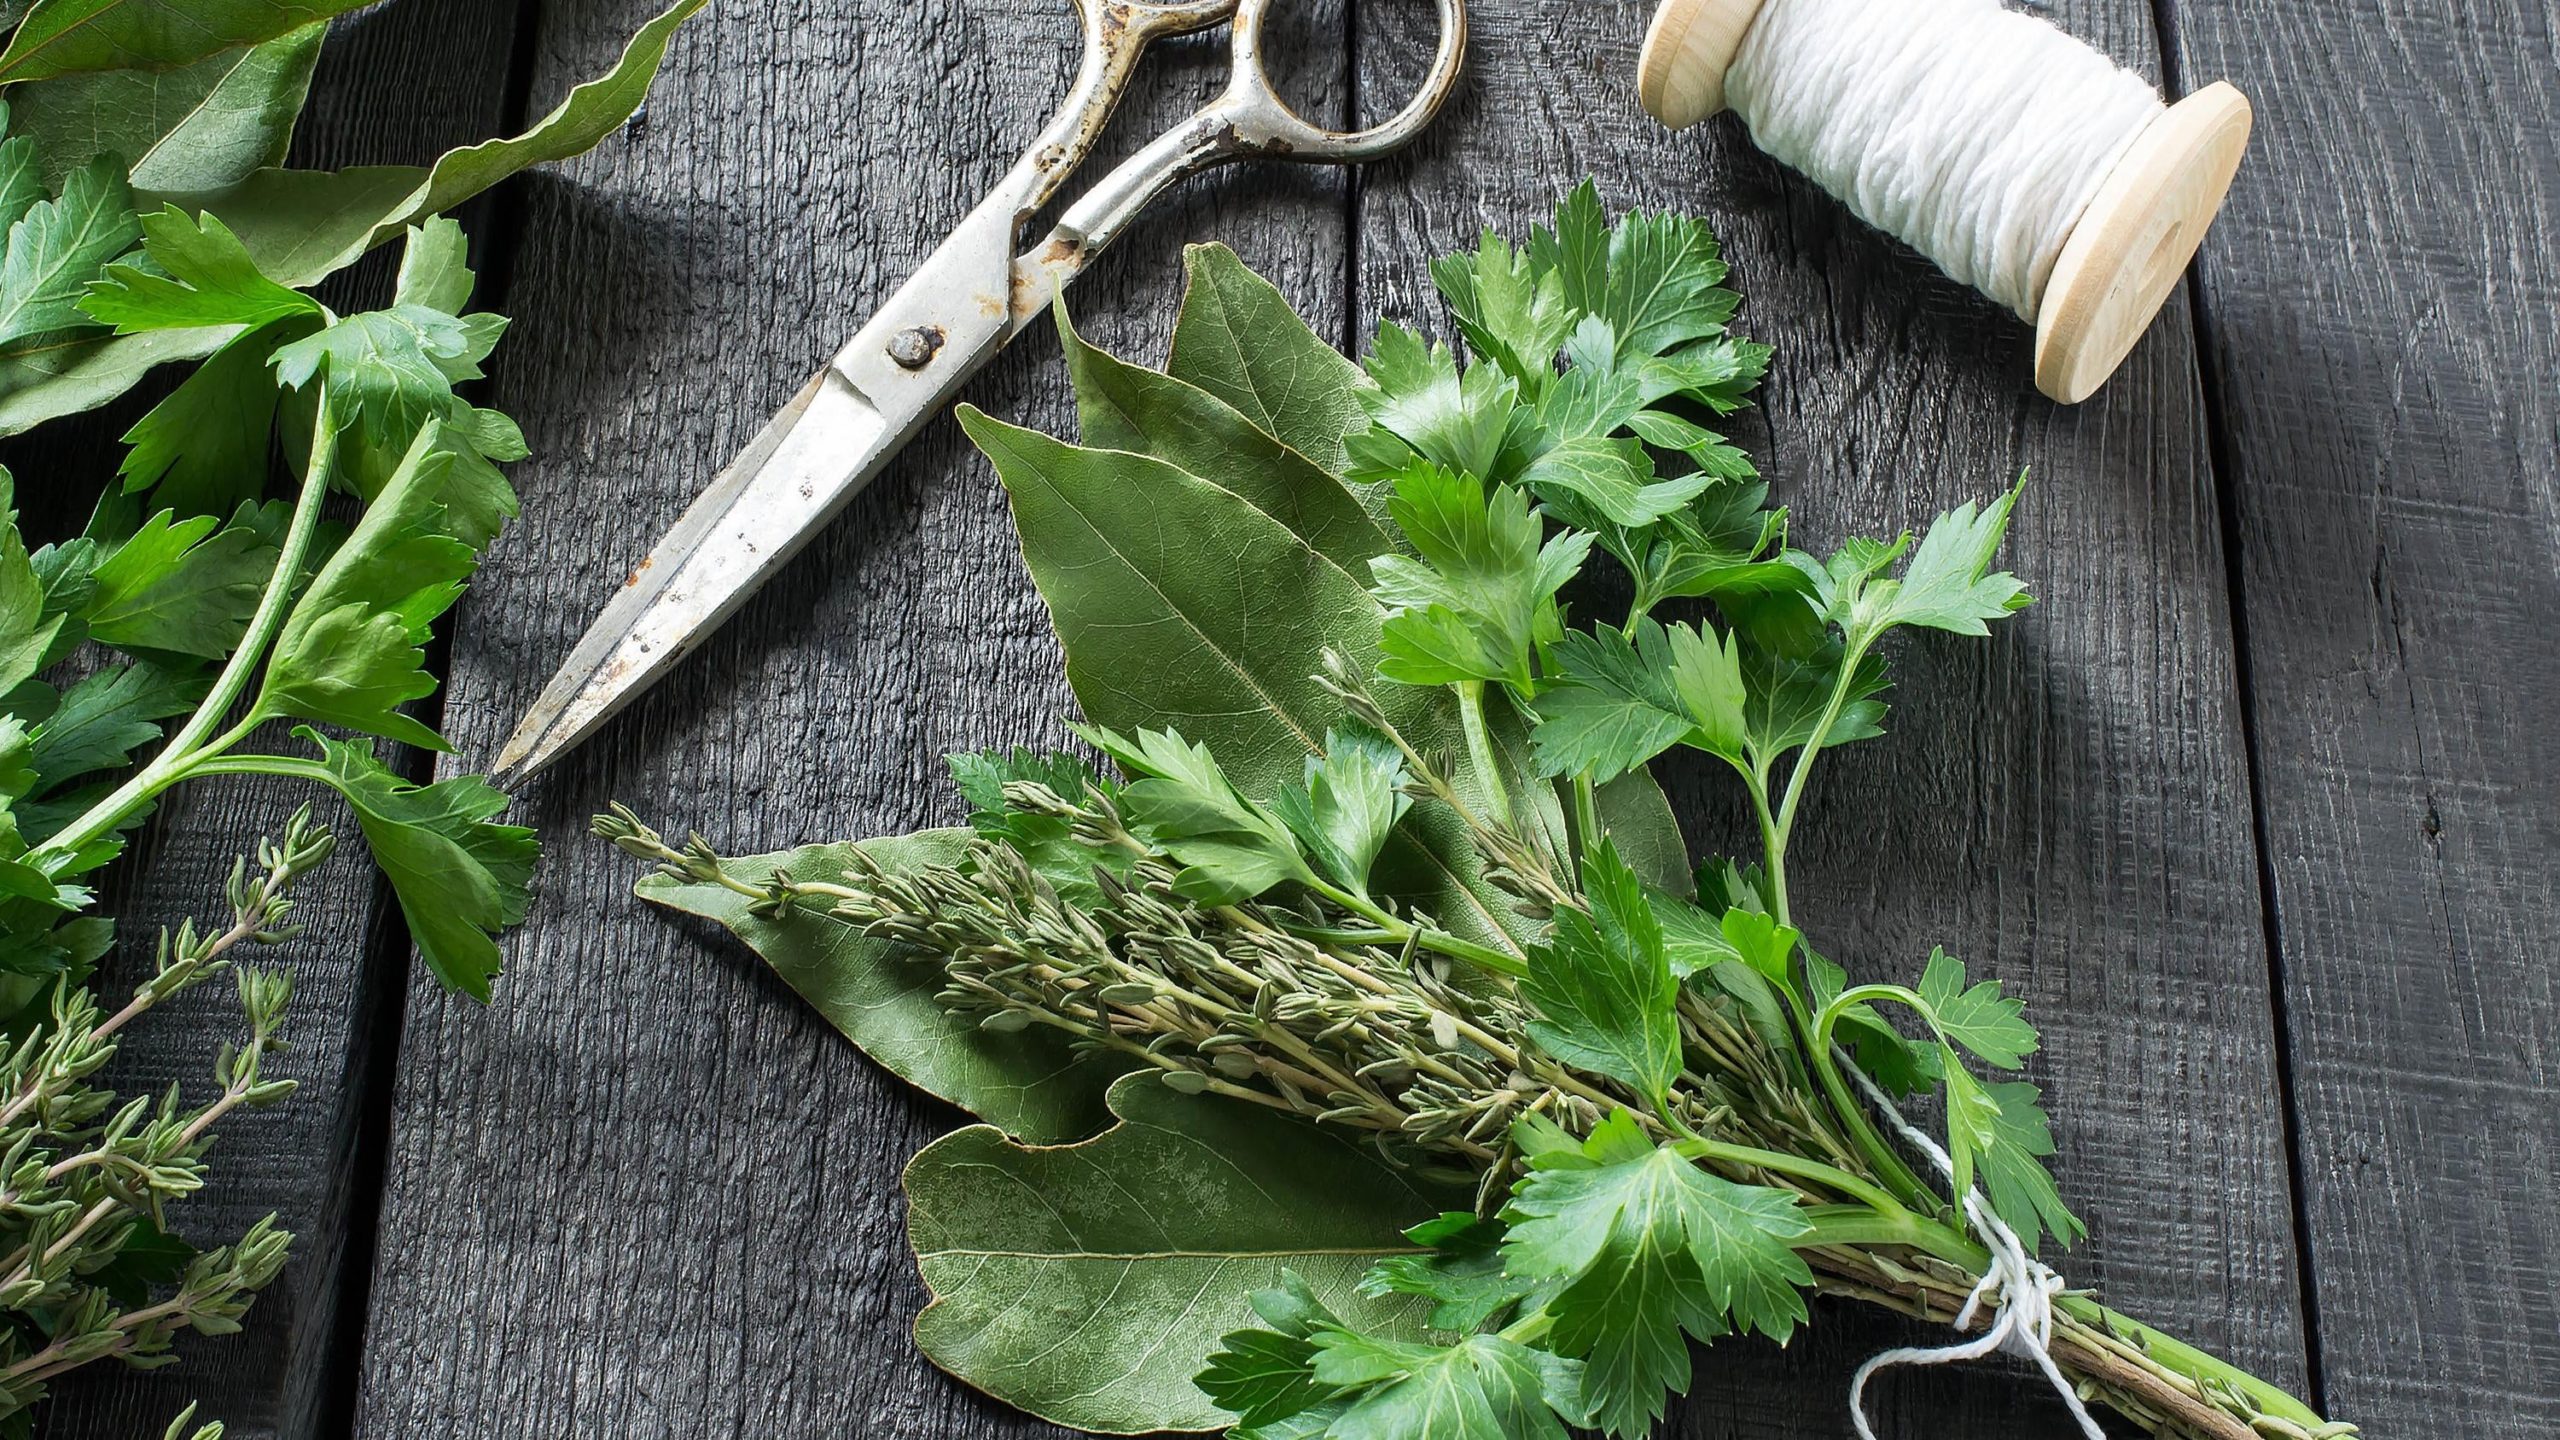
point(1266, 125)
point(1247, 120)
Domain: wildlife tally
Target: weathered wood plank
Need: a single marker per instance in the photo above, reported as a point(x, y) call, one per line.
point(2383, 322)
point(2065, 806)
point(647, 1191)
point(401, 83)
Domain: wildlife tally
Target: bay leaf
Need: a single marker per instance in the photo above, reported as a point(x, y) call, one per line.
point(78, 37)
point(1637, 816)
point(1183, 604)
point(1238, 338)
point(1120, 406)
point(880, 996)
point(200, 126)
point(302, 226)
point(1088, 1283)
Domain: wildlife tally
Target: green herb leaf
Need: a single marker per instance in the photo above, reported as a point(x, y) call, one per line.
point(394, 369)
point(1997, 1136)
point(1479, 594)
point(1146, 1240)
point(1947, 586)
point(1510, 312)
point(103, 719)
point(1481, 1388)
point(1657, 279)
point(1614, 699)
point(1182, 803)
point(204, 449)
point(1602, 985)
point(201, 276)
point(207, 123)
point(1978, 1017)
point(1462, 1275)
point(1419, 398)
point(183, 587)
point(57, 247)
point(26, 630)
point(1348, 804)
point(353, 649)
point(460, 877)
point(1651, 1248)
point(1238, 339)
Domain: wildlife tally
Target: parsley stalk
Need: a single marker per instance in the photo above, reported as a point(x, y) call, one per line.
point(188, 747)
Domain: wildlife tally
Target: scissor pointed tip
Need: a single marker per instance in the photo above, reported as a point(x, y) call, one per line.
point(526, 754)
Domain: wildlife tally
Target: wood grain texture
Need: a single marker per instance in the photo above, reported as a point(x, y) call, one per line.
point(399, 83)
point(647, 1191)
point(2065, 806)
point(2383, 318)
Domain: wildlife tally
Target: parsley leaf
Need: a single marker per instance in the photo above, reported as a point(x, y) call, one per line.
point(1462, 1275)
point(1419, 398)
point(201, 275)
point(183, 587)
point(1978, 1017)
point(352, 651)
point(57, 246)
point(1348, 801)
point(1181, 802)
point(1510, 311)
point(1478, 595)
point(1651, 1249)
point(26, 629)
point(1602, 983)
point(1997, 1135)
point(1948, 584)
point(1657, 279)
point(1614, 699)
point(460, 877)
point(1482, 1388)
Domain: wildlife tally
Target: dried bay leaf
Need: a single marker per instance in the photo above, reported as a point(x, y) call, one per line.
point(1088, 1283)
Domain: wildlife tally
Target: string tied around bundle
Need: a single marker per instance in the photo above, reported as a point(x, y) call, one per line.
point(2025, 164)
point(2019, 1288)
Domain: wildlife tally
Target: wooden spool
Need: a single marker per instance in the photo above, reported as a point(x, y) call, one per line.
point(2125, 252)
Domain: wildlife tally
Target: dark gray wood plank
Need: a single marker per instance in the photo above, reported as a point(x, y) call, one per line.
point(2383, 323)
point(2066, 806)
point(400, 83)
point(647, 1192)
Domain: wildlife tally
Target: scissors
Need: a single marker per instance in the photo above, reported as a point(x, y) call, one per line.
point(971, 296)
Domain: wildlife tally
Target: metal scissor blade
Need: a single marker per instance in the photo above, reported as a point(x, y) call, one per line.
point(812, 457)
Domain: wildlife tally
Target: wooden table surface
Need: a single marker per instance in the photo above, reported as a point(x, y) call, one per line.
point(2256, 808)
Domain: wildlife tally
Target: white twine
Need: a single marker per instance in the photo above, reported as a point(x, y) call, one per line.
point(1975, 134)
point(2019, 1286)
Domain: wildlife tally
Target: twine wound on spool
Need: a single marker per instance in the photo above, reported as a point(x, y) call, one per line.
point(2025, 164)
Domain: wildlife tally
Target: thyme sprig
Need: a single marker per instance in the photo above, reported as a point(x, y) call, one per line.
point(85, 1175)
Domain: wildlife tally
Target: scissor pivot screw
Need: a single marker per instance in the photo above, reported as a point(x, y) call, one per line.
point(915, 346)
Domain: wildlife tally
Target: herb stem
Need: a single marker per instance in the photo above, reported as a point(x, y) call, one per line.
point(178, 758)
point(1397, 931)
point(1480, 749)
point(1586, 815)
point(1699, 1148)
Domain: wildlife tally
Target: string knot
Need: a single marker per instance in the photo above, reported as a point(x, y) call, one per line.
point(2019, 1288)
